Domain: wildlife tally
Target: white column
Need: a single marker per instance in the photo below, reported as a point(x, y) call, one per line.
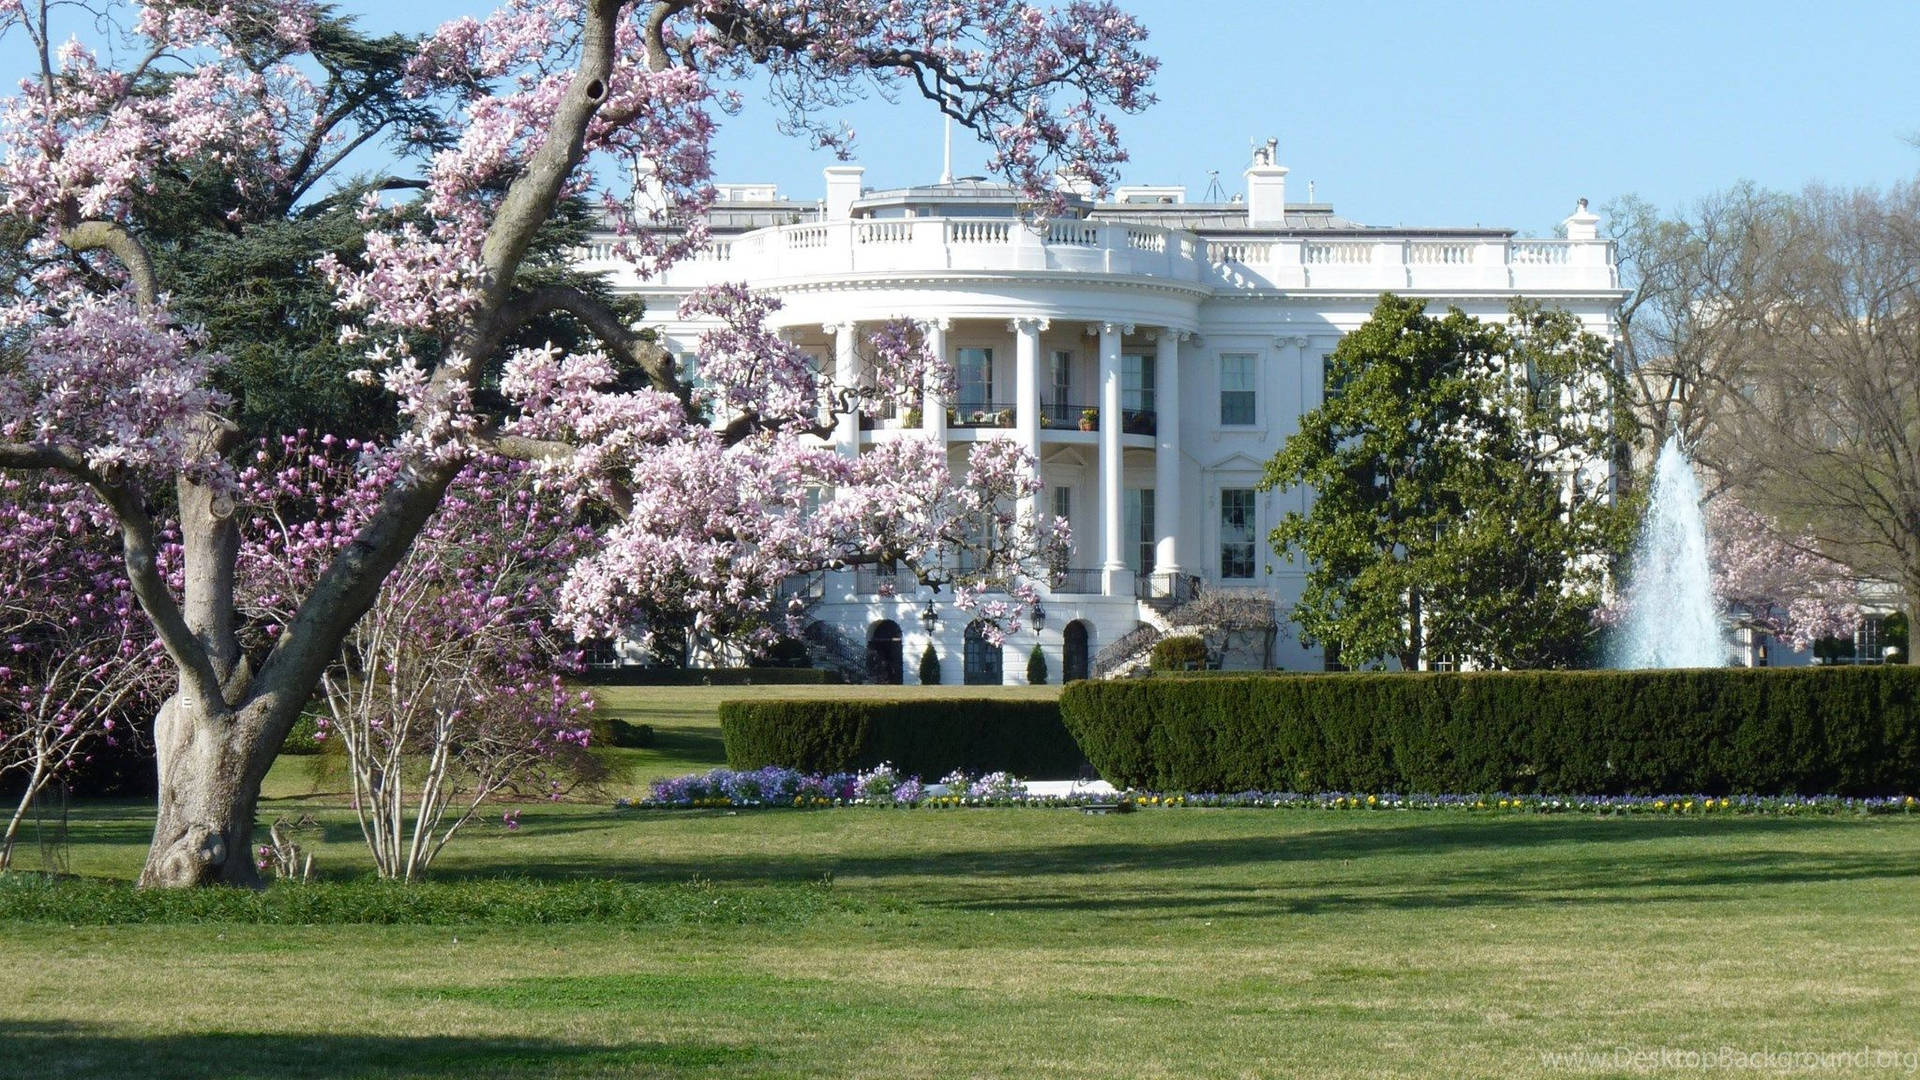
point(1113, 562)
point(1026, 394)
point(846, 375)
point(1166, 455)
point(933, 405)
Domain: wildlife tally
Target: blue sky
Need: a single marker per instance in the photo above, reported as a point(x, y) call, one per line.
point(1493, 113)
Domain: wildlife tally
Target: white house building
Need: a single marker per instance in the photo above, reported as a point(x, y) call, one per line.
point(1200, 327)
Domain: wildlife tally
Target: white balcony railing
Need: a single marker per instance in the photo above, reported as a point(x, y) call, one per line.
point(839, 248)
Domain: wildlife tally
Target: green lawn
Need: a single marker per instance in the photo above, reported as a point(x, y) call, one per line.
point(1007, 942)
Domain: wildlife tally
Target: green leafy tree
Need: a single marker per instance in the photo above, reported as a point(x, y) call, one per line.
point(1461, 505)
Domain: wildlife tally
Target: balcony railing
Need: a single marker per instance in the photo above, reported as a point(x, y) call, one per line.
point(1483, 260)
point(1077, 582)
point(1165, 588)
point(1066, 415)
point(1138, 421)
point(981, 414)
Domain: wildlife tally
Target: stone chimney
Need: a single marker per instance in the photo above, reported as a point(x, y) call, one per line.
point(1582, 224)
point(843, 187)
point(1267, 186)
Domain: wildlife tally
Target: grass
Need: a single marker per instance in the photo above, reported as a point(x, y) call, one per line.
point(1006, 942)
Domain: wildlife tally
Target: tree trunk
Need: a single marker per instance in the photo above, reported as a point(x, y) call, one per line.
point(209, 790)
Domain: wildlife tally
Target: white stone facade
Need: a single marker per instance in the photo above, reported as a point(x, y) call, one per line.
point(1202, 327)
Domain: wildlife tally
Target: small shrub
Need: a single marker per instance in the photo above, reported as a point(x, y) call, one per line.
point(606, 730)
point(1037, 666)
point(930, 667)
point(1182, 653)
point(918, 738)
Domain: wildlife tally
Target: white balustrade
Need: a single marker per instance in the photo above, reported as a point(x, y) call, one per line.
point(979, 232)
point(891, 245)
point(1445, 253)
point(884, 232)
point(1337, 253)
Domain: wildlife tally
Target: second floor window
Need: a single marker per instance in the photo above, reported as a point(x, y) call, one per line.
point(1237, 532)
point(1136, 382)
point(1236, 388)
point(974, 373)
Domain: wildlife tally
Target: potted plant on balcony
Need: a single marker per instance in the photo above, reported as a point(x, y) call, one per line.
point(912, 419)
point(1089, 419)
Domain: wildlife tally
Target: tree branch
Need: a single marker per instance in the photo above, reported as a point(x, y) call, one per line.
point(123, 245)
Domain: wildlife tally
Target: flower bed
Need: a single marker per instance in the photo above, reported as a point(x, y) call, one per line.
point(883, 786)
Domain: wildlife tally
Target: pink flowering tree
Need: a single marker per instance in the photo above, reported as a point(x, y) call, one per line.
point(534, 102)
point(76, 658)
point(1777, 583)
point(448, 691)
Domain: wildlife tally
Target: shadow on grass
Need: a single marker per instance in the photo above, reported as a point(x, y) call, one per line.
point(1451, 864)
point(71, 1050)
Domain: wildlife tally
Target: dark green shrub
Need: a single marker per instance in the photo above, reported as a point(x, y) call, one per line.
point(928, 738)
point(1037, 666)
point(300, 738)
point(1850, 731)
point(603, 730)
point(1182, 653)
point(930, 667)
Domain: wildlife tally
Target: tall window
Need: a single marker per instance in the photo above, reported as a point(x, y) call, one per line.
point(1330, 386)
point(1136, 383)
point(1236, 388)
point(975, 376)
point(1061, 374)
point(1140, 526)
point(1237, 527)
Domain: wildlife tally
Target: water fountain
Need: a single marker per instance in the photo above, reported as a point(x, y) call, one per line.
point(1671, 619)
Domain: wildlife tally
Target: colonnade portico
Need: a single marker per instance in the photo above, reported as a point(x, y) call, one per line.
point(1102, 550)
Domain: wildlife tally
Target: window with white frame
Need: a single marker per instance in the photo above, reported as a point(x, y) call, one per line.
point(974, 376)
point(1136, 382)
point(1061, 380)
point(1141, 526)
point(1236, 388)
point(1331, 387)
point(1238, 526)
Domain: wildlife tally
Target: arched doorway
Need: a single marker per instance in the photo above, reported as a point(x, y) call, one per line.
point(982, 657)
point(884, 661)
point(1073, 665)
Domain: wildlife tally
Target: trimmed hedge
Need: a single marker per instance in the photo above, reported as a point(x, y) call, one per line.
point(928, 739)
point(749, 676)
point(1180, 653)
point(1838, 731)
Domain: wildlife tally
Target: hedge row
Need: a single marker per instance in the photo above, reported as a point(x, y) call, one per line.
point(1841, 731)
point(928, 739)
point(748, 676)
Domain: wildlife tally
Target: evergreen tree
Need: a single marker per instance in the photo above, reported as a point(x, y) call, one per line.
point(1461, 505)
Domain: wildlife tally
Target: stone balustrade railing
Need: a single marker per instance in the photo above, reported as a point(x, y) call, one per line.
point(891, 246)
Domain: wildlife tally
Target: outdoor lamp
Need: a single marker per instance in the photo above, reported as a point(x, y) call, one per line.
point(929, 618)
point(1039, 617)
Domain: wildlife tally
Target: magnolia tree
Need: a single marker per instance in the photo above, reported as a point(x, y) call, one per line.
point(1765, 579)
point(1780, 584)
point(532, 103)
point(447, 691)
point(76, 658)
